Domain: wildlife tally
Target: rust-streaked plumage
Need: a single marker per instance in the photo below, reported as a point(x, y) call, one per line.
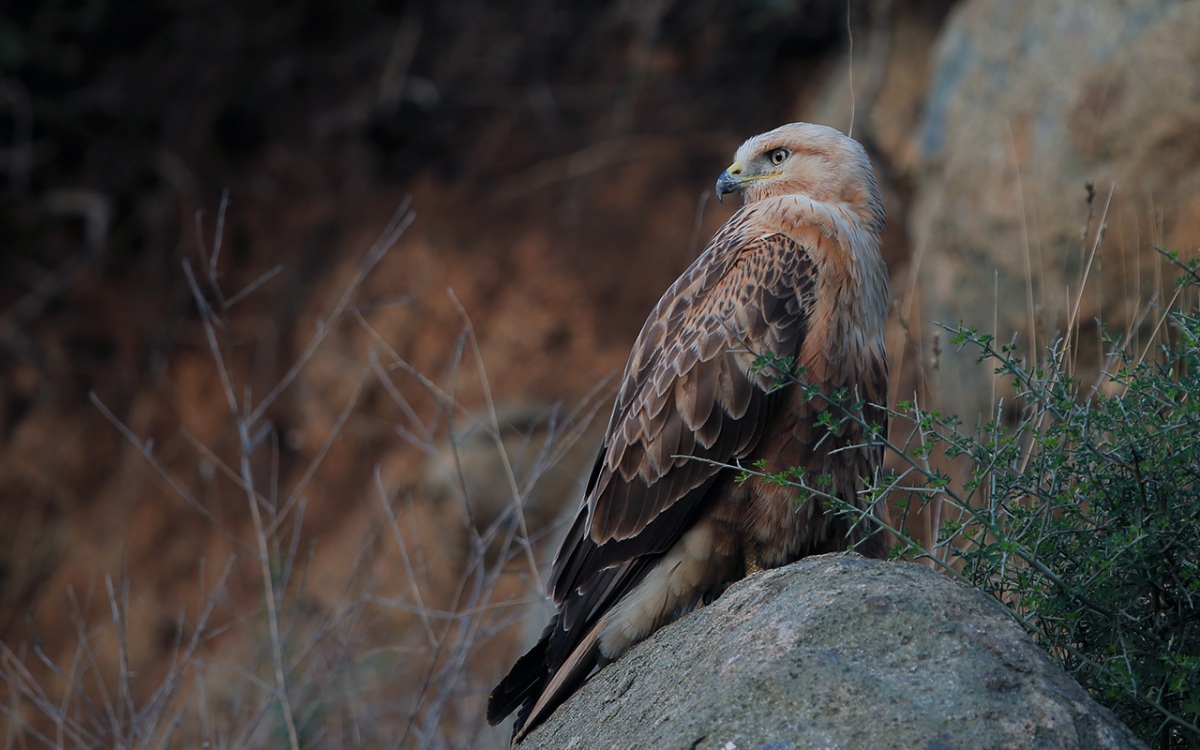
point(796, 274)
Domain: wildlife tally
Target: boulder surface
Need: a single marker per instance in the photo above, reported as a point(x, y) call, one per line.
point(836, 651)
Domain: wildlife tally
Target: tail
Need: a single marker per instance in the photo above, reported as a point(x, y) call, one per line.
point(523, 683)
point(535, 686)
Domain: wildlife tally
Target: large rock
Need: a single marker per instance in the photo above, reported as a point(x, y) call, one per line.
point(1029, 101)
point(836, 652)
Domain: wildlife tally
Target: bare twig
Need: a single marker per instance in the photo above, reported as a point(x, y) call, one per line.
point(243, 427)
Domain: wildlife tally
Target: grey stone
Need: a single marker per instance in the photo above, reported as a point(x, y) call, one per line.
point(836, 652)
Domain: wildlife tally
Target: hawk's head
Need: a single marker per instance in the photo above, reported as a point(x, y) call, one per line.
point(815, 161)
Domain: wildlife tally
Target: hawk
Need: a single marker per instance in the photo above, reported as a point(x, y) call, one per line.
point(793, 279)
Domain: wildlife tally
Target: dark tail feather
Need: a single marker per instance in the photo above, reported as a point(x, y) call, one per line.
point(523, 683)
point(539, 682)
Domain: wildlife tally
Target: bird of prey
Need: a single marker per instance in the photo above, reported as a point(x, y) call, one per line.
point(794, 279)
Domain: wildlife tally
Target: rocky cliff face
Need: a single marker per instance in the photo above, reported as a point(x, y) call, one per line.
point(1028, 104)
point(837, 652)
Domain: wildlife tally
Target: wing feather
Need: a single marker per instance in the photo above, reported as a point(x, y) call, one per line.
point(696, 395)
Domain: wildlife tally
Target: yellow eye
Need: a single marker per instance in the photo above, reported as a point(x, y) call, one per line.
point(779, 155)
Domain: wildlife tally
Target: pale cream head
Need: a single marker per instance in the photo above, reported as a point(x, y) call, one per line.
point(809, 160)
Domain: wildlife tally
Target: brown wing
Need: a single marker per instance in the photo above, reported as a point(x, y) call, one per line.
point(691, 400)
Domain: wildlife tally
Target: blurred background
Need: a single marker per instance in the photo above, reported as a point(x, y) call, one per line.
point(310, 313)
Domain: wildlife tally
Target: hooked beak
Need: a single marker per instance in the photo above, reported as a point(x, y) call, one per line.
point(730, 181)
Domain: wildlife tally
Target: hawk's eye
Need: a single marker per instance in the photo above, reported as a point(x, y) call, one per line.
point(778, 156)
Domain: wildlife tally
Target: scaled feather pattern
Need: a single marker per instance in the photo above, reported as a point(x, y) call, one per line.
point(791, 288)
